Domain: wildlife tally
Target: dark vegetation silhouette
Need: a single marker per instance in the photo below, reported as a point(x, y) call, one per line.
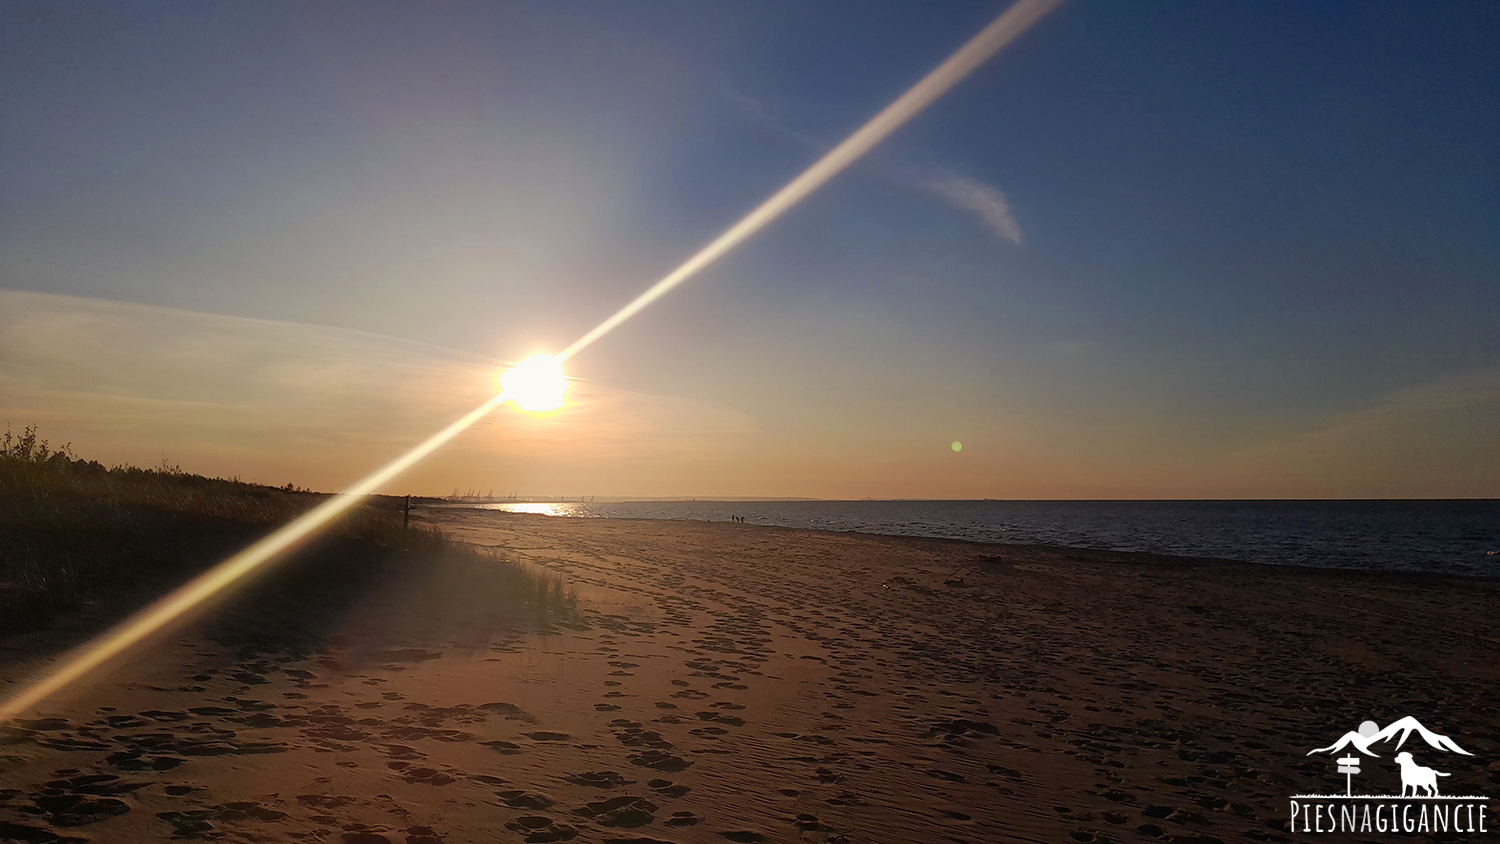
point(82, 545)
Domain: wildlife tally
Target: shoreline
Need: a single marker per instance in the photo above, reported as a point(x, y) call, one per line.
point(1092, 554)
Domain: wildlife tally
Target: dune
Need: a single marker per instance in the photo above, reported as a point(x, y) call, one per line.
point(726, 682)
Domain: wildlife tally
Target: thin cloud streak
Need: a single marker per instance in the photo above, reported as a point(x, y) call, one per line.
point(984, 201)
point(1435, 440)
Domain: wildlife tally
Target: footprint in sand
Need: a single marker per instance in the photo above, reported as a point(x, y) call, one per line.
point(518, 799)
point(425, 776)
point(77, 810)
point(135, 760)
point(510, 711)
point(488, 780)
point(401, 751)
point(631, 734)
point(666, 789)
point(539, 829)
point(660, 761)
point(809, 823)
point(199, 823)
point(620, 812)
point(545, 735)
point(598, 779)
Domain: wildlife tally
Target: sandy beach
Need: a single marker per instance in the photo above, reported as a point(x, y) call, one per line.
point(727, 682)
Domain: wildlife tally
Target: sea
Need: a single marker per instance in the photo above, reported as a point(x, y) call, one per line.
point(1448, 537)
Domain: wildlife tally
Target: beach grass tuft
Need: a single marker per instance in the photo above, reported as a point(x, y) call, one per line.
point(79, 537)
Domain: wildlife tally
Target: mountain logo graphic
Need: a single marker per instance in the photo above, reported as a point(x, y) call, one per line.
point(1424, 803)
point(1370, 733)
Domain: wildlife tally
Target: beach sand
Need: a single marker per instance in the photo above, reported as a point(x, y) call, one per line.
point(729, 682)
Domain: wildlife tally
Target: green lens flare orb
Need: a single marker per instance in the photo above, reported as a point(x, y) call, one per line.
point(958, 446)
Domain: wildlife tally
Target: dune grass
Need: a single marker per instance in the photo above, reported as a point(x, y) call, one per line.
point(77, 537)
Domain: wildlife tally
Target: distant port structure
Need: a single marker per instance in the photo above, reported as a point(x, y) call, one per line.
point(474, 496)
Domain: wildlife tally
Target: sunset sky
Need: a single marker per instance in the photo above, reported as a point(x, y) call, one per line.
point(1150, 251)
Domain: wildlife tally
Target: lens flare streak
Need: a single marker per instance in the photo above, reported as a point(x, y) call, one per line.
point(540, 390)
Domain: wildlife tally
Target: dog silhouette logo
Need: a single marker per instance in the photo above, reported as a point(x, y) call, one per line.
point(1414, 776)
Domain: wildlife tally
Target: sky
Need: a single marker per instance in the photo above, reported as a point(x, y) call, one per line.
point(1210, 250)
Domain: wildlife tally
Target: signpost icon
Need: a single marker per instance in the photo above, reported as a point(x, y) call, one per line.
point(1349, 766)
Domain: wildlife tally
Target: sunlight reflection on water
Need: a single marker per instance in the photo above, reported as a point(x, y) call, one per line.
point(539, 508)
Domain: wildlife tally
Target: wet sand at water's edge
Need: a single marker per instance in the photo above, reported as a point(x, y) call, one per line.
point(728, 682)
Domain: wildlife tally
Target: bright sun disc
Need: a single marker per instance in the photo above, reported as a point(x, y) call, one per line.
point(536, 383)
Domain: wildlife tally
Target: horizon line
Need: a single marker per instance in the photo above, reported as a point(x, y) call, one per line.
point(677, 499)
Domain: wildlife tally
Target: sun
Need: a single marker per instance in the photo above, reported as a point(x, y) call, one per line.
point(536, 383)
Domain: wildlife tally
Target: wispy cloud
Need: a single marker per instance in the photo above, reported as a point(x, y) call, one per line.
point(1439, 439)
point(985, 202)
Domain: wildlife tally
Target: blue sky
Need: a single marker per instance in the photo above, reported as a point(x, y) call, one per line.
point(1259, 244)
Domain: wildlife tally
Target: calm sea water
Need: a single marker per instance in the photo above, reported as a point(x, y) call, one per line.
point(1436, 536)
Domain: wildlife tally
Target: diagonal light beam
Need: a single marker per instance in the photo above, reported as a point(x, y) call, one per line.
point(1004, 29)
